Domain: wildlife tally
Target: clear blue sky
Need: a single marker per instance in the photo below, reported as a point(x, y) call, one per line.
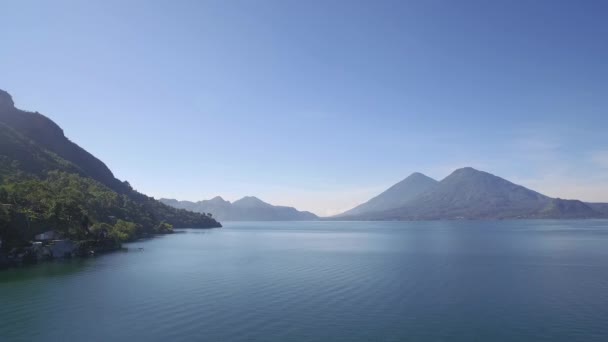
point(319, 104)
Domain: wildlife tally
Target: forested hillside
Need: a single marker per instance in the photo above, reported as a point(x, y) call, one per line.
point(49, 183)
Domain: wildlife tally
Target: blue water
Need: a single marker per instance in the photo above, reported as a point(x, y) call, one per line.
point(325, 281)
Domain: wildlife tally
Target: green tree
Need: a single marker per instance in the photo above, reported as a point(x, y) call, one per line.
point(124, 231)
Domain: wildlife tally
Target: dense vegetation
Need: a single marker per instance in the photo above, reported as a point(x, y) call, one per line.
point(49, 183)
point(71, 204)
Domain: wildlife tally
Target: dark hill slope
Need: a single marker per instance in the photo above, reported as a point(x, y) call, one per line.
point(45, 133)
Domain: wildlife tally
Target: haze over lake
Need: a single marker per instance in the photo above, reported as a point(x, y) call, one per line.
point(537, 280)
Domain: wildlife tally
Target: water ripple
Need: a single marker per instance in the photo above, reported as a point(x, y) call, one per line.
point(338, 281)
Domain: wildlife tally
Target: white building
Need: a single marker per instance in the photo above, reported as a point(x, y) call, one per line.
point(46, 236)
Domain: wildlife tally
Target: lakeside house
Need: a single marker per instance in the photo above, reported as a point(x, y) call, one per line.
point(62, 248)
point(55, 248)
point(40, 251)
point(52, 245)
point(47, 236)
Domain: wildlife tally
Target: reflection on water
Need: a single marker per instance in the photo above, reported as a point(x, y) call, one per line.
point(56, 268)
point(320, 281)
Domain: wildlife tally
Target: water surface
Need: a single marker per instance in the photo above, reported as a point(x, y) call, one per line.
point(325, 281)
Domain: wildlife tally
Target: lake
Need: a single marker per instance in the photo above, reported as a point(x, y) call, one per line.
point(325, 281)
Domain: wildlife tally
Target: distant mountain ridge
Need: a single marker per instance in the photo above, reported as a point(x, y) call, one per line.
point(471, 194)
point(248, 208)
point(396, 196)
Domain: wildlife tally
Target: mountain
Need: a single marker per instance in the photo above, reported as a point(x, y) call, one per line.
point(471, 194)
point(48, 135)
point(48, 181)
point(396, 196)
point(599, 207)
point(217, 206)
point(246, 209)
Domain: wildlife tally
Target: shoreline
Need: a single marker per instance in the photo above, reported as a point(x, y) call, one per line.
point(41, 251)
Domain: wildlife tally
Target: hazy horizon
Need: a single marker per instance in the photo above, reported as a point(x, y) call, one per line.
point(316, 105)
